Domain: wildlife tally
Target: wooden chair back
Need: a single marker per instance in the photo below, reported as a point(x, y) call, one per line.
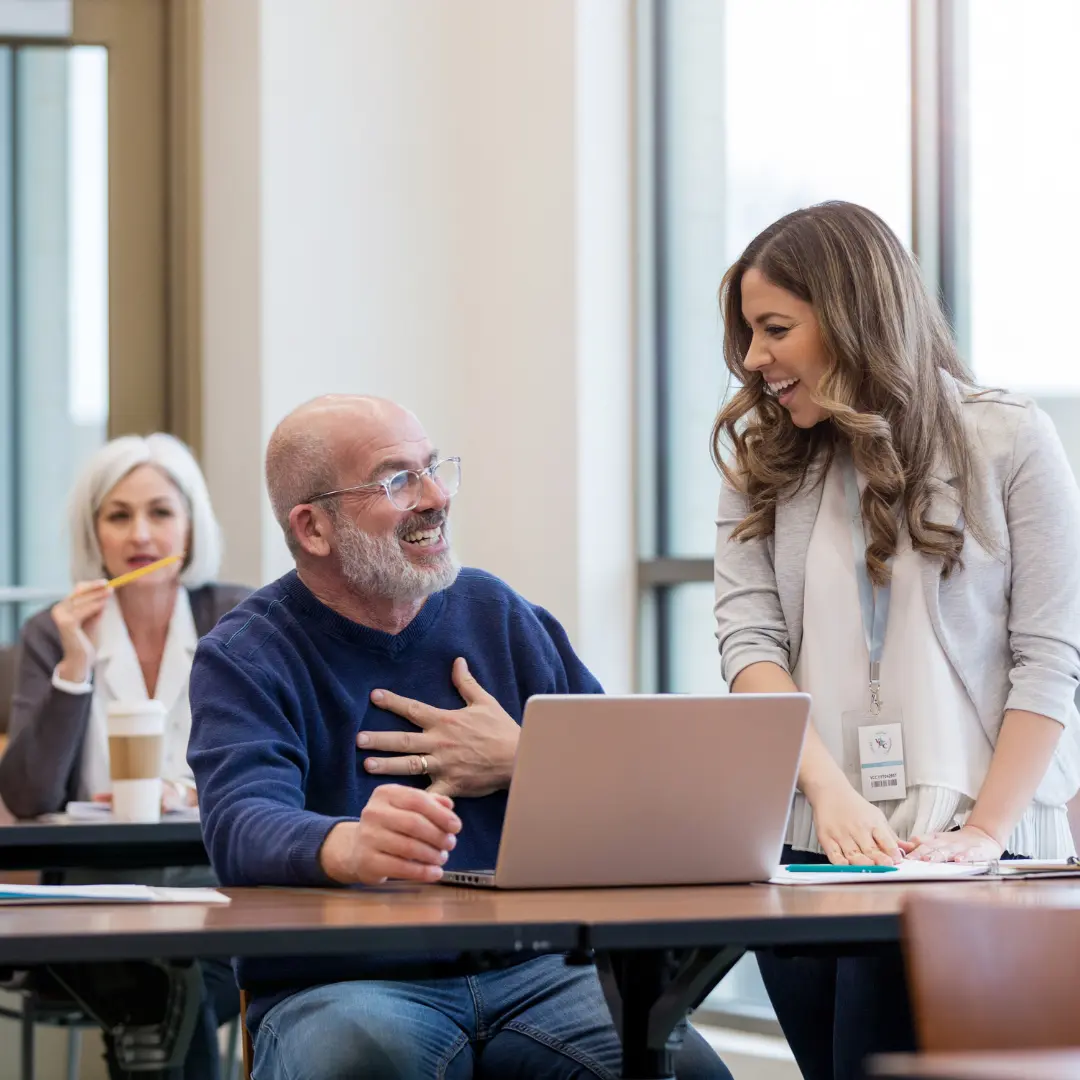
point(245, 1036)
point(993, 976)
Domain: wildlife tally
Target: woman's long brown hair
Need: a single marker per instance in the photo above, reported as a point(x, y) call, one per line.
point(888, 345)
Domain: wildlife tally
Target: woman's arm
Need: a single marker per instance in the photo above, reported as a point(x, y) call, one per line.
point(46, 731)
point(1023, 753)
point(1042, 511)
point(755, 652)
point(817, 769)
point(753, 633)
point(750, 623)
point(849, 829)
point(1025, 747)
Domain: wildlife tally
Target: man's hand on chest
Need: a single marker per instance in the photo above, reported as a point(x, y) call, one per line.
point(468, 751)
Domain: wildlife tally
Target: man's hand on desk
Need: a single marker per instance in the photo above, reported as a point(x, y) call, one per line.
point(403, 833)
point(467, 751)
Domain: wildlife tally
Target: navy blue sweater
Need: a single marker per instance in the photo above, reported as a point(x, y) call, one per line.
point(279, 690)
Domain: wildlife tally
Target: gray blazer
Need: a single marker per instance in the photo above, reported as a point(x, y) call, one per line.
point(39, 769)
point(1009, 621)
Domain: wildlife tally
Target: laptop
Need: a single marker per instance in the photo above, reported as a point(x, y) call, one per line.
point(647, 790)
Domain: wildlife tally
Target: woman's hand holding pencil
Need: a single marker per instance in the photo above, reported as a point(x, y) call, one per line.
point(78, 617)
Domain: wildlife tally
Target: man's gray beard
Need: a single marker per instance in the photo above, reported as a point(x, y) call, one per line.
point(375, 566)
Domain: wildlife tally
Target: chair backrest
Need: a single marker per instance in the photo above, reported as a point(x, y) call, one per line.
point(245, 1036)
point(993, 976)
point(7, 684)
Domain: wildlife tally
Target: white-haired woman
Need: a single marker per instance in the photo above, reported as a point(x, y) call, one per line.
point(137, 501)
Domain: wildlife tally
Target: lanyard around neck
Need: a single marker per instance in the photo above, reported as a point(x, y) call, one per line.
point(874, 602)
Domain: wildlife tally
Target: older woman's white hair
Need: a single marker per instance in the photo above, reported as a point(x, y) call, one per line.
point(108, 467)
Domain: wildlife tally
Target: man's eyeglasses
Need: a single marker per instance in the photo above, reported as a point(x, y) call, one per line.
point(405, 489)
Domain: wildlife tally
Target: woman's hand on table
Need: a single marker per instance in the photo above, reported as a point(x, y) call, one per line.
point(969, 844)
point(851, 830)
point(77, 618)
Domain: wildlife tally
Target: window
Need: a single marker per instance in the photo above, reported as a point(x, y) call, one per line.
point(762, 106)
point(96, 305)
point(54, 333)
point(1023, 83)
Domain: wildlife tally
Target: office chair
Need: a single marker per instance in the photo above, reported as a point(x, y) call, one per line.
point(40, 1005)
point(39, 1009)
point(7, 685)
point(993, 976)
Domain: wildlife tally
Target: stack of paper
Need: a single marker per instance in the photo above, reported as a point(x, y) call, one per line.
point(106, 894)
point(95, 811)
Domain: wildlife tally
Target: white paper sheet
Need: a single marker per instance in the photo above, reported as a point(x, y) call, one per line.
point(904, 872)
point(106, 894)
point(77, 812)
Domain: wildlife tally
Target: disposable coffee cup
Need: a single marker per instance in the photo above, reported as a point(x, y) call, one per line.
point(136, 744)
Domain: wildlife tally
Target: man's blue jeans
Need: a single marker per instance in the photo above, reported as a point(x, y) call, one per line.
point(540, 1020)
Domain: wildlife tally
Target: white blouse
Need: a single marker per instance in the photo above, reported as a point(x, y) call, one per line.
point(117, 676)
point(946, 749)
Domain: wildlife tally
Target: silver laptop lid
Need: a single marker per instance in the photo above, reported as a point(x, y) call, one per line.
point(651, 789)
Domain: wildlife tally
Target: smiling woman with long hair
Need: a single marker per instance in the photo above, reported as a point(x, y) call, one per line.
point(892, 540)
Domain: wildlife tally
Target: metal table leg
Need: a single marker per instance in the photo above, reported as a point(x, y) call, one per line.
point(649, 993)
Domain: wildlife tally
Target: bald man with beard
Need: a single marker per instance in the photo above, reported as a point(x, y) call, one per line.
point(356, 721)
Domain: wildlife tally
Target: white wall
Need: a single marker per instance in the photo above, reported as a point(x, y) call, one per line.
point(432, 202)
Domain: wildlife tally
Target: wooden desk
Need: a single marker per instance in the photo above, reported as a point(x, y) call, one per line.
point(28, 845)
point(999, 1065)
point(659, 951)
point(421, 919)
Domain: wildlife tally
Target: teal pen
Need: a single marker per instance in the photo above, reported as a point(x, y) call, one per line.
point(827, 868)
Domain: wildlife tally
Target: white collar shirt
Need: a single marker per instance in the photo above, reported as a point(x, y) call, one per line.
point(118, 677)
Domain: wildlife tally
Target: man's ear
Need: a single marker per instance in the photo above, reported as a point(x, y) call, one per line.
point(311, 528)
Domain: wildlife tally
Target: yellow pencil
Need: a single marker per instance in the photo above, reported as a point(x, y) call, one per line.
point(134, 575)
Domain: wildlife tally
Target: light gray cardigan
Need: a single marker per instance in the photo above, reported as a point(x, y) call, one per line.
point(1009, 621)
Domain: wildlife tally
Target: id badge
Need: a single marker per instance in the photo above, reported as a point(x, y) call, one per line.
point(874, 754)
